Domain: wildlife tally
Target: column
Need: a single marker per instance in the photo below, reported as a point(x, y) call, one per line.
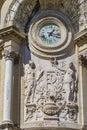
point(83, 85)
point(12, 40)
point(7, 111)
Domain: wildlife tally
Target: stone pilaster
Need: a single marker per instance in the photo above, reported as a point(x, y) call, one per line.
point(7, 110)
point(81, 43)
point(7, 107)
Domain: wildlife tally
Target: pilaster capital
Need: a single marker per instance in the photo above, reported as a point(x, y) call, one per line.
point(83, 59)
point(11, 40)
point(10, 55)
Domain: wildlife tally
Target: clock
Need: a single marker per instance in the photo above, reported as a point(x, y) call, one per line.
point(50, 34)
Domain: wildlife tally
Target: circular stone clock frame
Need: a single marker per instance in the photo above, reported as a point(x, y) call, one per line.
point(59, 49)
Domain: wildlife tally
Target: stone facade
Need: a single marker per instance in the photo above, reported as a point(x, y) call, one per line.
point(43, 64)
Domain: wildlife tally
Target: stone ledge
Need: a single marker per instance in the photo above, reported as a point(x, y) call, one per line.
point(11, 33)
point(80, 37)
point(60, 126)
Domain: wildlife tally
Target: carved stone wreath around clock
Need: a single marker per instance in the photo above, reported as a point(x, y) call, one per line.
point(50, 35)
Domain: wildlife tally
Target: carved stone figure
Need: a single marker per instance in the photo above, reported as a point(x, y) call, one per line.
point(51, 92)
point(30, 82)
point(70, 80)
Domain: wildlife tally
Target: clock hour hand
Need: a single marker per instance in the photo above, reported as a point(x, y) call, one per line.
point(56, 35)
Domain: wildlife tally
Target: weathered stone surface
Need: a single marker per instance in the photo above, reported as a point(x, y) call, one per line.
point(47, 92)
point(75, 10)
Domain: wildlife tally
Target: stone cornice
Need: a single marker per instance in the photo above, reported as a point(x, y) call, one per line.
point(12, 33)
point(81, 37)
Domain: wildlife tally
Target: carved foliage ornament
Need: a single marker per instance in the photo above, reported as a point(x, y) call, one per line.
point(10, 55)
point(51, 92)
point(83, 59)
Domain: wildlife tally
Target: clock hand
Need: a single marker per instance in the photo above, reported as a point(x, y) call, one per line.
point(50, 33)
point(56, 35)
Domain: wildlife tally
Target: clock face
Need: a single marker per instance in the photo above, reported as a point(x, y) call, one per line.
point(50, 34)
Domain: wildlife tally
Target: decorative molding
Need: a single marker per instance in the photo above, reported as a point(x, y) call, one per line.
point(62, 48)
point(10, 55)
point(12, 33)
point(11, 37)
point(19, 12)
point(80, 37)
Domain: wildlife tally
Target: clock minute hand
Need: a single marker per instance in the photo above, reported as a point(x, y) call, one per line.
point(51, 33)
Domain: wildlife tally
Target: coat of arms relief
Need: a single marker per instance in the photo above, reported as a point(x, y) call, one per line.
point(51, 92)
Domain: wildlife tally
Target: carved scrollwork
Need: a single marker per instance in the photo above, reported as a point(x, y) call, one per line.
point(30, 109)
point(51, 92)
